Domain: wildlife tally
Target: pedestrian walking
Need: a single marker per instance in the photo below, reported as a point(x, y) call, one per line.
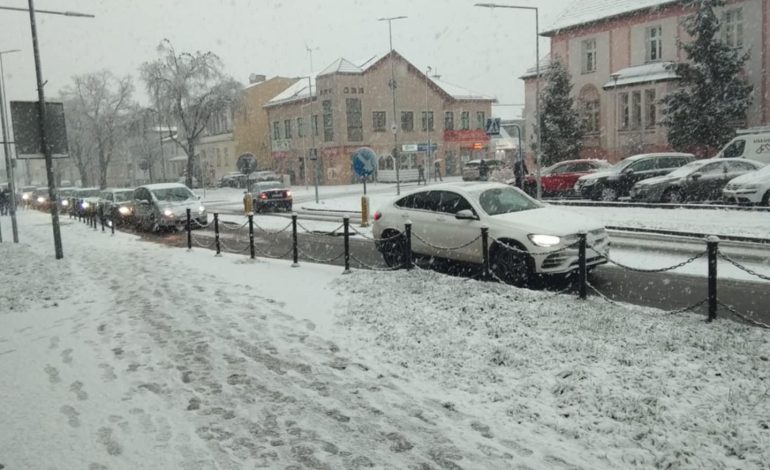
point(421, 175)
point(4, 201)
point(483, 170)
point(437, 170)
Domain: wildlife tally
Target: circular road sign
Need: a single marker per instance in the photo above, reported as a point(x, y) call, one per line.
point(364, 161)
point(246, 163)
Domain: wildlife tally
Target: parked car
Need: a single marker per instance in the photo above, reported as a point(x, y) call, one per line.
point(753, 144)
point(617, 181)
point(63, 197)
point(115, 205)
point(526, 236)
point(751, 188)
point(233, 180)
point(25, 195)
point(266, 175)
point(40, 198)
point(271, 195)
point(701, 180)
point(164, 206)
point(471, 168)
point(560, 178)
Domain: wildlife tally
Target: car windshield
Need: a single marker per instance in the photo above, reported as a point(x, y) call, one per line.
point(689, 168)
point(618, 167)
point(269, 185)
point(174, 194)
point(88, 193)
point(498, 201)
point(122, 196)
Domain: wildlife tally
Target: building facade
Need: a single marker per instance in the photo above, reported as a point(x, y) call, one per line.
point(348, 106)
point(617, 53)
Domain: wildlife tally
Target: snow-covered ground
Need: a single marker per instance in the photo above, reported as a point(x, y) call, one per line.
point(127, 355)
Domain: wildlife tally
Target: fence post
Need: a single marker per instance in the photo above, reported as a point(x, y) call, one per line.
point(712, 246)
point(216, 234)
point(295, 249)
point(93, 221)
point(188, 226)
point(251, 234)
point(101, 220)
point(582, 269)
point(485, 253)
point(408, 245)
point(346, 225)
point(112, 226)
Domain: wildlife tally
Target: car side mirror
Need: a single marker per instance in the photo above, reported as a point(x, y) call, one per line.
point(630, 171)
point(466, 214)
point(696, 176)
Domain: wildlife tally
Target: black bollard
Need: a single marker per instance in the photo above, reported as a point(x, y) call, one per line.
point(408, 246)
point(582, 269)
point(485, 272)
point(712, 246)
point(346, 225)
point(251, 234)
point(189, 230)
point(216, 234)
point(295, 249)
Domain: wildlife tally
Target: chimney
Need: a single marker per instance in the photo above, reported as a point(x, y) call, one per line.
point(254, 78)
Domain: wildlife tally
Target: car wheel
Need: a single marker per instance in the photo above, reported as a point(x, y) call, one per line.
point(766, 199)
point(609, 194)
point(673, 196)
point(510, 262)
point(392, 248)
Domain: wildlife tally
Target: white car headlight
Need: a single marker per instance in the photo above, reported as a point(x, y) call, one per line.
point(65, 202)
point(544, 240)
point(168, 213)
point(85, 205)
point(25, 197)
point(749, 186)
point(40, 199)
point(201, 210)
point(123, 210)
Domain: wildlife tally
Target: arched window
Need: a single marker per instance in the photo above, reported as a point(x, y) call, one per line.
point(590, 109)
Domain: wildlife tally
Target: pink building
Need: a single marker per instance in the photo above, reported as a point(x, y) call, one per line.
point(617, 52)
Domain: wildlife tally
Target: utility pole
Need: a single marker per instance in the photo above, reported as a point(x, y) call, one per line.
point(7, 148)
point(392, 85)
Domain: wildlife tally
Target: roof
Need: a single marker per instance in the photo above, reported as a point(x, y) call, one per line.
point(659, 154)
point(545, 64)
point(581, 12)
point(163, 186)
point(341, 65)
point(646, 73)
point(459, 93)
point(300, 90)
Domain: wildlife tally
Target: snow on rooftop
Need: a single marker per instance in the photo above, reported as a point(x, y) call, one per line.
point(587, 11)
point(341, 65)
point(301, 89)
point(460, 93)
point(646, 73)
point(545, 63)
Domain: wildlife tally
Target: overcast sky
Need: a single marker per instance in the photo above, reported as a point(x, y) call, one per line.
point(481, 49)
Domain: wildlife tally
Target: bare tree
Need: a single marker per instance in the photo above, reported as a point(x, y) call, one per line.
point(189, 89)
point(104, 102)
point(80, 140)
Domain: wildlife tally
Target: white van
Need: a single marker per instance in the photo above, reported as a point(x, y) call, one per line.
point(753, 144)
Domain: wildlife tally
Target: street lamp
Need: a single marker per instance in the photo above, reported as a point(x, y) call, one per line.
point(614, 127)
point(7, 147)
point(392, 85)
point(312, 136)
point(428, 163)
point(538, 153)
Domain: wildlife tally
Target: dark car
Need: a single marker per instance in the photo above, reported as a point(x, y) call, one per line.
point(701, 180)
point(271, 195)
point(559, 179)
point(115, 205)
point(64, 198)
point(85, 201)
point(617, 181)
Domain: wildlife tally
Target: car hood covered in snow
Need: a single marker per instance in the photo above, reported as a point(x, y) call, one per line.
point(752, 178)
point(548, 220)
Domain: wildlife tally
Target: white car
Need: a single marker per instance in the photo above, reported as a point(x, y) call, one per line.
point(751, 188)
point(525, 236)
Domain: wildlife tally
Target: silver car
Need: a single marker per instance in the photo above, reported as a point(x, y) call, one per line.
point(164, 206)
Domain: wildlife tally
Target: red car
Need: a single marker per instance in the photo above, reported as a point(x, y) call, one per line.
point(559, 179)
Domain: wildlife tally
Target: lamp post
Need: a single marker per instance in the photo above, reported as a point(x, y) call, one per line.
point(538, 153)
point(392, 85)
point(312, 137)
point(428, 163)
point(614, 127)
point(7, 147)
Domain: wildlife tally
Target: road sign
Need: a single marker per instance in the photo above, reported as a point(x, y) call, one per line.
point(493, 126)
point(246, 163)
point(364, 161)
point(409, 148)
point(312, 154)
point(26, 129)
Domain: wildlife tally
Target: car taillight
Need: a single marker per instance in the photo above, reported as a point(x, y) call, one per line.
point(377, 215)
point(263, 195)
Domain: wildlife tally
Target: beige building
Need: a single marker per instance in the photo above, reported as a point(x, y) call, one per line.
point(347, 106)
point(617, 53)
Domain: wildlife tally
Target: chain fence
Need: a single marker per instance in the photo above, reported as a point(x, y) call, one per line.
point(645, 270)
point(743, 268)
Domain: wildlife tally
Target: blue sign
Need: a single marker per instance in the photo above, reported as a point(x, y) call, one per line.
point(424, 147)
point(364, 161)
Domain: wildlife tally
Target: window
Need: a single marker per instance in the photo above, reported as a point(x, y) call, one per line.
point(328, 121)
point(651, 109)
point(624, 115)
point(481, 120)
point(427, 120)
point(735, 149)
point(287, 128)
point(449, 121)
point(642, 165)
point(589, 55)
point(300, 127)
point(379, 120)
point(314, 124)
point(589, 100)
point(407, 121)
point(732, 27)
point(465, 120)
point(636, 110)
point(355, 122)
point(654, 43)
point(452, 203)
point(736, 167)
point(276, 130)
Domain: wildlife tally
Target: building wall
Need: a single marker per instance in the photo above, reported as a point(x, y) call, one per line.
point(414, 94)
point(621, 43)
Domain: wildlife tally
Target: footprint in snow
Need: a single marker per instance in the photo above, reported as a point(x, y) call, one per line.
point(104, 437)
point(77, 388)
point(66, 356)
point(53, 374)
point(73, 417)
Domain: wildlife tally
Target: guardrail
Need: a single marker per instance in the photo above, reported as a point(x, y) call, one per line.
point(651, 205)
point(403, 242)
